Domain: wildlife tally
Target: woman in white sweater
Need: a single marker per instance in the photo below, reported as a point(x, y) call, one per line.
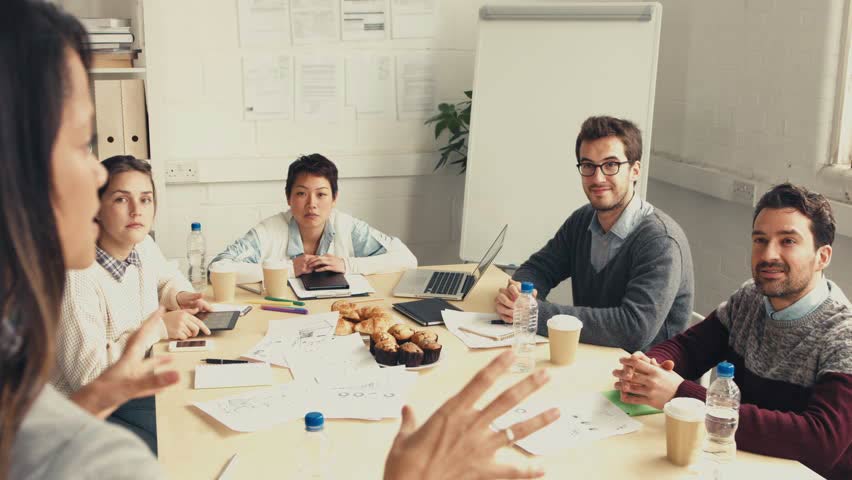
point(106, 303)
point(312, 235)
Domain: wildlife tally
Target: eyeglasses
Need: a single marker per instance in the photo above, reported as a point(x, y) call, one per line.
point(587, 169)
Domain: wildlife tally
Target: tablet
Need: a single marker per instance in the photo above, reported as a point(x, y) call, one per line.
point(219, 320)
point(324, 281)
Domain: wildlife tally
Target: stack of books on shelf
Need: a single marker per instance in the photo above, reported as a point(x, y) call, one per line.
point(111, 42)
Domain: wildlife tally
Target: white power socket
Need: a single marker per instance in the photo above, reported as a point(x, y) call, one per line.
point(182, 172)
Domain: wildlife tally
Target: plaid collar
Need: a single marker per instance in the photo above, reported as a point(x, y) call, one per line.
point(116, 267)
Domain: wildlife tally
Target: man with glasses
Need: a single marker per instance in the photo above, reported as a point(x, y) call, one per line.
point(629, 263)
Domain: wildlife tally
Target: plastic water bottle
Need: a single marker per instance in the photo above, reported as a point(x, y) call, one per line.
point(723, 414)
point(315, 453)
point(196, 248)
point(525, 325)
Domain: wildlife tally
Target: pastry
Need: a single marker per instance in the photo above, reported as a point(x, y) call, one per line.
point(349, 312)
point(379, 337)
point(367, 313)
point(431, 352)
point(411, 355)
point(373, 325)
point(344, 327)
point(387, 352)
point(421, 336)
point(401, 333)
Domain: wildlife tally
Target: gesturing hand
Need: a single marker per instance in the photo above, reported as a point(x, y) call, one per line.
point(133, 376)
point(457, 441)
point(182, 324)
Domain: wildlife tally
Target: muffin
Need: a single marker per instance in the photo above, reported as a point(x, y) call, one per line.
point(422, 336)
point(387, 352)
point(431, 352)
point(411, 355)
point(379, 337)
point(402, 333)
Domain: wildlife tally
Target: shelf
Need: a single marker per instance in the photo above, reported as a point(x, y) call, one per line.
point(135, 71)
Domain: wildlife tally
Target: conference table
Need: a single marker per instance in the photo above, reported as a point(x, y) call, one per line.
point(193, 445)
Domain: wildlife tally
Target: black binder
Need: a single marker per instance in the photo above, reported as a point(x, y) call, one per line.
point(426, 312)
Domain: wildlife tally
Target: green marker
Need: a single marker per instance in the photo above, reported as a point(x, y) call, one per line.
point(276, 299)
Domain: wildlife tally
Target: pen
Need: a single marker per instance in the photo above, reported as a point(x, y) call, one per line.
point(499, 322)
point(276, 308)
point(226, 472)
point(222, 361)
point(251, 289)
point(276, 299)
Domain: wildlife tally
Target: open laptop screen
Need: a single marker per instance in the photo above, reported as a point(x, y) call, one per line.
point(491, 253)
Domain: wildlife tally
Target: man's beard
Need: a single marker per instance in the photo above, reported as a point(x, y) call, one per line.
point(620, 202)
point(791, 285)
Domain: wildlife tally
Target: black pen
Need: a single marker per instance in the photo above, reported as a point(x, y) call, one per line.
point(222, 361)
point(499, 322)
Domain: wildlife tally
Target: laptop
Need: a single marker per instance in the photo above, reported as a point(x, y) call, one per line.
point(423, 283)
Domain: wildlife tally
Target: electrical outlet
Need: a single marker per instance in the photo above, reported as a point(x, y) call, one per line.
point(182, 172)
point(743, 192)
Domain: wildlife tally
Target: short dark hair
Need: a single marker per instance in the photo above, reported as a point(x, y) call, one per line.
point(313, 164)
point(600, 127)
point(810, 204)
point(125, 163)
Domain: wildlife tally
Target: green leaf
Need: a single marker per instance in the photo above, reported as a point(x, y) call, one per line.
point(440, 127)
point(468, 93)
point(434, 119)
point(446, 108)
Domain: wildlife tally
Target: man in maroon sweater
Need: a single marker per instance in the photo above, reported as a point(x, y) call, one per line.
point(788, 331)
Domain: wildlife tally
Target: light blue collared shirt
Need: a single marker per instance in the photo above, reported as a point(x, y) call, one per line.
point(803, 307)
point(363, 243)
point(605, 245)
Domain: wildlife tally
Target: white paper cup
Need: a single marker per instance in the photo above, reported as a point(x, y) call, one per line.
point(275, 274)
point(564, 334)
point(684, 429)
point(223, 276)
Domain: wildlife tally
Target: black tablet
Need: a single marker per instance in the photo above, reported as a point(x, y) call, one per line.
point(324, 281)
point(219, 320)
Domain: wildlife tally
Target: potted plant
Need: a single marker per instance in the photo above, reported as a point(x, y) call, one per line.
point(454, 118)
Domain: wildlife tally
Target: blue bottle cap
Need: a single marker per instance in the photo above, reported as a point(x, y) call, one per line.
point(527, 287)
point(314, 421)
point(725, 370)
point(196, 227)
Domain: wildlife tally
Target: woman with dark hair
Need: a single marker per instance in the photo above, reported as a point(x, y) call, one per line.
point(313, 236)
point(48, 202)
point(107, 302)
point(47, 205)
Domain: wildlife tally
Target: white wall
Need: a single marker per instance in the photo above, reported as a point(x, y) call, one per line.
point(195, 97)
point(745, 91)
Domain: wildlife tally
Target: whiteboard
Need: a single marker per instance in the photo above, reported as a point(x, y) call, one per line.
point(540, 71)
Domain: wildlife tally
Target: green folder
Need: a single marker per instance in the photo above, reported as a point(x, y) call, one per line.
point(614, 396)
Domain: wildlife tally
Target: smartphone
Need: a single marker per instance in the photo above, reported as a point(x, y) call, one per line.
point(190, 345)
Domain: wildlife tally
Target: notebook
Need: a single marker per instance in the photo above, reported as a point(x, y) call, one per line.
point(426, 312)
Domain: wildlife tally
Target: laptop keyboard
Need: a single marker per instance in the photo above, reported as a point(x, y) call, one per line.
point(445, 283)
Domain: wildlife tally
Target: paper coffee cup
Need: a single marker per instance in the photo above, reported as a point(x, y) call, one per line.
point(684, 429)
point(223, 276)
point(564, 334)
point(275, 273)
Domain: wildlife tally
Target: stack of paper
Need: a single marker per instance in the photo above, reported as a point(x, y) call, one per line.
point(367, 395)
point(584, 418)
point(232, 375)
point(463, 324)
point(293, 334)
